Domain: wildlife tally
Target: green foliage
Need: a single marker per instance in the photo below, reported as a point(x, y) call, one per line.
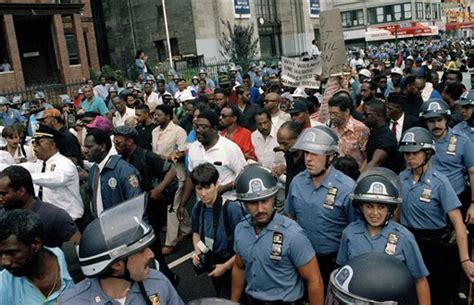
point(93, 75)
point(238, 44)
point(108, 72)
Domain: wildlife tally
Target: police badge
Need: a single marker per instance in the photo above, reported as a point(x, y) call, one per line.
point(330, 198)
point(452, 145)
point(392, 242)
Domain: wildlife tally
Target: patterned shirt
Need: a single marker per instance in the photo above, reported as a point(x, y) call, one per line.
point(353, 140)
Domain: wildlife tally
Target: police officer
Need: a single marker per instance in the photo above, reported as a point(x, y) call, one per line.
point(158, 180)
point(428, 198)
point(114, 255)
point(318, 197)
point(372, 278)
point(111, 179)
point(376, 196)
point(273, 255)
point(467, 103)
point(454, 153)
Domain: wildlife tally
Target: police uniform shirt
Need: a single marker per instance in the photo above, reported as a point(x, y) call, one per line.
point(426, 203)
point(20, 290)
point(271, 279)
point(466, 129)
point(394, 239)
point(323, 212)
point(60, 183)
point(234, 214)
point(454, 156)
point(225, 155)
point(89, 292)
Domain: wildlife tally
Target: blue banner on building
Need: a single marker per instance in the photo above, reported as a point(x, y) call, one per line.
point(242, 8)
point(314, 8)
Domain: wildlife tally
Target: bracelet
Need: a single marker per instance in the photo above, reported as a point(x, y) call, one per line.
point(466, 260)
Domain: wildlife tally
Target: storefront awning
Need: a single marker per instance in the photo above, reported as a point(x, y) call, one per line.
point(459, 25)
point(402, 30)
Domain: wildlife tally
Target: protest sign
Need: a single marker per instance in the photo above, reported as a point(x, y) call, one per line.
point(295, 72)
point(333, 49)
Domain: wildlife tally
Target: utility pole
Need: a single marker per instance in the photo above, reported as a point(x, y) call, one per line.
point(167, 34)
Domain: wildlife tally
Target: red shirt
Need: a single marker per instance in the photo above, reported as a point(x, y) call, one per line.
point(242, 137)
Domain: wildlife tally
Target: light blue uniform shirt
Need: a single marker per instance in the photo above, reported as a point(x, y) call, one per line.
point(271, 279)
point(97, 105)
point(426, 203)
point(89, 292)
point(466, 129)
point(356, 241)
point(20, 290)
point(11, 117)
point(322, 222)
point(454, 160)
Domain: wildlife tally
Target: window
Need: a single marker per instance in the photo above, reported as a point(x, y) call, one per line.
point(419, 10)
point(427, 11)
point(434, 11)
point(388, 11)
point(407, 10)
point(397, 10)
point(380, 16)
point(71, 48)
point(163, 51)
point(352, 18)
point(266, 9)
point(371, 15)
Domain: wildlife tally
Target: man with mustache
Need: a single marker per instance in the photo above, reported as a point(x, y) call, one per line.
point(33, 273)
point(454, 153)
point(273, 255)
point(115, 257)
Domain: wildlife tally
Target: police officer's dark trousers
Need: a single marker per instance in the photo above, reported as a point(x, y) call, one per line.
point(437, 256)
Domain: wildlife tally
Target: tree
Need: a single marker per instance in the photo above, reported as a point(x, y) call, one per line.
point(239, 43)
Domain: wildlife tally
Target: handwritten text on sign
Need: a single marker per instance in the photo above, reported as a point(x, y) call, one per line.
point(333, 49)
point(295, 72)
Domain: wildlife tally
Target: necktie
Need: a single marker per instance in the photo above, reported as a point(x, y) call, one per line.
point(40, 191)
point(394, 128)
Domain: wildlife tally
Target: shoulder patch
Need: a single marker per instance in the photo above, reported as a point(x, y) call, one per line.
point(133, 181)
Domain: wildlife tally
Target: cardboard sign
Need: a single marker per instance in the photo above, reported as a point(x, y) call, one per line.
point(333, 49)
point(295, 72)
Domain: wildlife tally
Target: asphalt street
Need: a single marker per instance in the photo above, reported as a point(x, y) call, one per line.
point(191, 286)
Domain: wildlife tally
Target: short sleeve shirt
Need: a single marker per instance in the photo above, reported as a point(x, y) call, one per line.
point(454, 156)
point(96, 105)
point(270, 279)
point(356, 241)
point(203, 221)
point(323, 212)
point(426, 203)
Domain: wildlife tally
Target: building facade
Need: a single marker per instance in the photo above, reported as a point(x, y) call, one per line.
point(359, 17)
point(283, 27)
point(46, 42)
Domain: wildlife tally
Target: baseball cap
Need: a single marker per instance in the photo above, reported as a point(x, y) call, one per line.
point(396, 70)
point(366, 73)
point(50, 113)
point(298, 106)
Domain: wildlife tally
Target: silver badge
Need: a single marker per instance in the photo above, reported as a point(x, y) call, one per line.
point(112, 183)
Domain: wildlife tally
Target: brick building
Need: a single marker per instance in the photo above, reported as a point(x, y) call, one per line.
point(46, 41)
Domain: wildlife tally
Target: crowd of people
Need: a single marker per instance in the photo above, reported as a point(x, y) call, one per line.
point(277, 187)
